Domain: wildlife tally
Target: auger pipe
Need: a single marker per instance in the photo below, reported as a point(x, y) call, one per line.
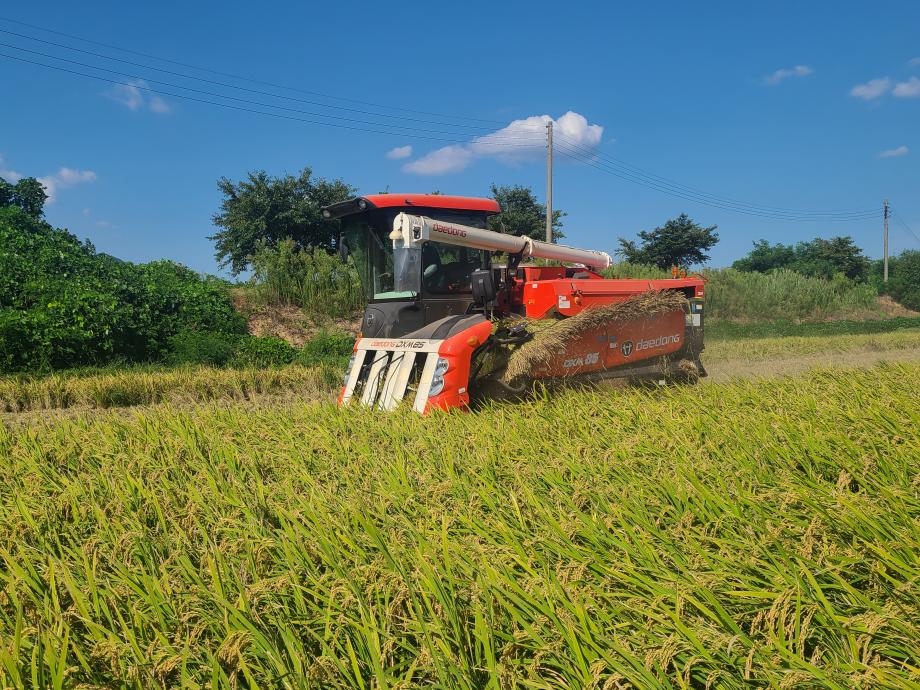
point(416, 230)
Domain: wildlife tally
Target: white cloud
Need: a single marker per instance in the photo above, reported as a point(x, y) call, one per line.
point(135, 96)
point(521, 140)
point(10, 176)
point(907, 89)
point(782, 74)
point(399, 152)
point(67, 177)
point(894, 153)
point(914, 62)
point(871, 89)
point(64, 178)
point(446, 159)
point(158, 105)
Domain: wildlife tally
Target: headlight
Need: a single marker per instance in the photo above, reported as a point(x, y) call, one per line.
point(437, 381)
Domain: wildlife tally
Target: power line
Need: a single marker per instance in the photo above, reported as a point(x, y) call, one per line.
point(568, 147)
point(905, 225)
point(420, 134)
point(210, 81)
point(240, 77)
point(676, 186)
point(225, 96)
point(576, 155)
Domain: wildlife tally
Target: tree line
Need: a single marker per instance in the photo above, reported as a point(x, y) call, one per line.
point(261, 211)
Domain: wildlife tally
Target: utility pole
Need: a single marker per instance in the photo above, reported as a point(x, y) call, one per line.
point(885, 273)
point(549, 181)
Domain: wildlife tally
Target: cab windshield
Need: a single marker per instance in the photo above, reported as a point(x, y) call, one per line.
point(390, 270)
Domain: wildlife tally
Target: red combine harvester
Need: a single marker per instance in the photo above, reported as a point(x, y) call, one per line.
point(438, 307)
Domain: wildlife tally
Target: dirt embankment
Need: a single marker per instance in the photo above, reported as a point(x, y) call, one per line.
point(288, 322)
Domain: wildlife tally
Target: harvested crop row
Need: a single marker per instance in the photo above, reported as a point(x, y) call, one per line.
point(127, 388)
point(758, 533)
point(144, 387)
point(760, 349)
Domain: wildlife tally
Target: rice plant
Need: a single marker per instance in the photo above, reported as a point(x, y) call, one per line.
point(147, 387)
point(755, 534)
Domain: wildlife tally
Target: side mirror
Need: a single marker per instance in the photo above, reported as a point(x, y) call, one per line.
point(483, 283)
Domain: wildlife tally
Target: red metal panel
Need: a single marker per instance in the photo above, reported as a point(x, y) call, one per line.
point(634, 341)
point(458, 351)
point(532, 273)
point(542, 298)
point(615, 345)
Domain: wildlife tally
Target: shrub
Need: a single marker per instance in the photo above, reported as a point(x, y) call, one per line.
point(62, 304)
point(318, 283)
point(903, 279)
point(252, 351)
point(333, 348)
point(197, 347)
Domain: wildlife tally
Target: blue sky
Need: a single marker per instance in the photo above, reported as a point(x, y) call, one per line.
point(806, 106)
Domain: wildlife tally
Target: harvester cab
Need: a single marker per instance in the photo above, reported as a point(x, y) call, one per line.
point(439, 308)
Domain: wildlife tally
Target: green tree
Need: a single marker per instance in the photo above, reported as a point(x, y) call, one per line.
point(679, 242)
point(818, 258)
point(522, 214)
point(27, 194)
point(265, 210)
point(903, 278)
point(765, 257)
point(825, 258)
point(6, 193)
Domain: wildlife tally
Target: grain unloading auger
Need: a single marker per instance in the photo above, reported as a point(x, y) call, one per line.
point(444, 322)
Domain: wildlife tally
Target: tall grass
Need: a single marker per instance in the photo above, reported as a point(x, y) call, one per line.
point(625, 269)
point(582, 541)
point(315, 281)
point(783, 295)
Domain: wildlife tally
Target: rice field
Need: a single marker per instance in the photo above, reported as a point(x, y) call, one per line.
point(762, 349)
point(148, 387)
point(750, 534)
